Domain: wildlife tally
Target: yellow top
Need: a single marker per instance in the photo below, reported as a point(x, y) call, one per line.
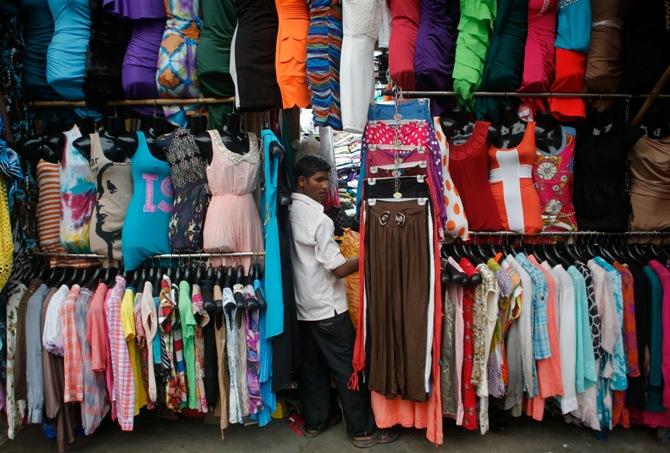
point(128, 322)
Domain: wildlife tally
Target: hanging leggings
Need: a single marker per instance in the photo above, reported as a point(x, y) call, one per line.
point(397, 280)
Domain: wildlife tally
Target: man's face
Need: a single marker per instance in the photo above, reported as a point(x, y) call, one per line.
point(315, 187)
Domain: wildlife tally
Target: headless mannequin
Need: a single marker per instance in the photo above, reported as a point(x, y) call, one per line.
point(197, 124)
point(54, 143)
point(548, 134)
point(37, 148)
point(657, 122)
point(231, 134)
point(116, 143)
point(153, 129)
point(511, 129)
point(459, 126)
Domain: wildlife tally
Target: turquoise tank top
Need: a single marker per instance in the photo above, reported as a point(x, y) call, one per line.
point(145, 231)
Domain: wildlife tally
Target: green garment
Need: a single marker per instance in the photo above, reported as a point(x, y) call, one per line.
point(474, 29)
point(219, 19)
point(188, 337)
point(504, 60)
point(654, 401)
point(585, 363)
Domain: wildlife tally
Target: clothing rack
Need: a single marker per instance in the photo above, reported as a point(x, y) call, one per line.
point(159, 102)
point(175, 256)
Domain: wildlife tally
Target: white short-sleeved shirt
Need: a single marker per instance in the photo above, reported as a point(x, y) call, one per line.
point(318, 293)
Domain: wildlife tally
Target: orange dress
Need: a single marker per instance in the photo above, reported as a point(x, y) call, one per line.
point(511, 182)
point(291, 52)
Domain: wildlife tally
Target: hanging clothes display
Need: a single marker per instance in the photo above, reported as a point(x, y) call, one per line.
point(150, 206)
point(362, 20)
point(254, 71)
point(435, 49)
point(138, 73)
point(503, 67)
point(106, 50)
point(402, 43)
point(474, 31)
point(66, 56)
point(324, 43)
point(650, 200)
point(573, 35)
point(469, 166)
point(38, 26)
point(189, 179)
point(176, 76)
point(232, 178)
point(538, 65)
point(113, 182)
point(291, 52)
point(553, 176)
point(213, 57)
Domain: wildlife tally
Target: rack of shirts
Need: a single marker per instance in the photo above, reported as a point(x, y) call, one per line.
point(191, 337)
point(559, 326)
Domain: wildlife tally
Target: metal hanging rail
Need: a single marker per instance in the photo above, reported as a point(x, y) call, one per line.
point(571, 234)
point(178, 256)
point(172, 256)
point(136, 102)
point(516, 94)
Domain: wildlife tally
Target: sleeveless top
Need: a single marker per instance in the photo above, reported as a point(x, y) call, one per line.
point(176, 77)
point(77, 188)
point(149, 209)
point(187, 167)
point(650, 184)
point(468, 167)
point(292, 52)
point(553, 175)
point(38, 30)
point(114, 187)
point(511, 181)
point(66, 56)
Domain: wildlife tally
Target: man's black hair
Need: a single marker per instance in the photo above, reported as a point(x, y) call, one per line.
point(308, 165)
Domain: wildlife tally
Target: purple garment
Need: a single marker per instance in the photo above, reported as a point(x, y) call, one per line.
point(136, 9)
point(253, 355)
point(436, 49)
point(141, 61)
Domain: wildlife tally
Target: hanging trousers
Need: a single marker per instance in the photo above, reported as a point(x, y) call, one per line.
point(397, 282)
point(327, 350)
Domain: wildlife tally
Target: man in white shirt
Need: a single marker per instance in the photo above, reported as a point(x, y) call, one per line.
point(326, 331)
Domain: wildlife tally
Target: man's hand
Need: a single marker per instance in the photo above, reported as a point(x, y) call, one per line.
point(348, 268)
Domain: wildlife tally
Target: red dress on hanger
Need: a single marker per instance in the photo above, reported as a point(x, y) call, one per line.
point(470, 420)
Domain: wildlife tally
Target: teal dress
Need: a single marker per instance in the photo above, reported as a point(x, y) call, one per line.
point(145, 231)
point(654, 401)
point(274, 315)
